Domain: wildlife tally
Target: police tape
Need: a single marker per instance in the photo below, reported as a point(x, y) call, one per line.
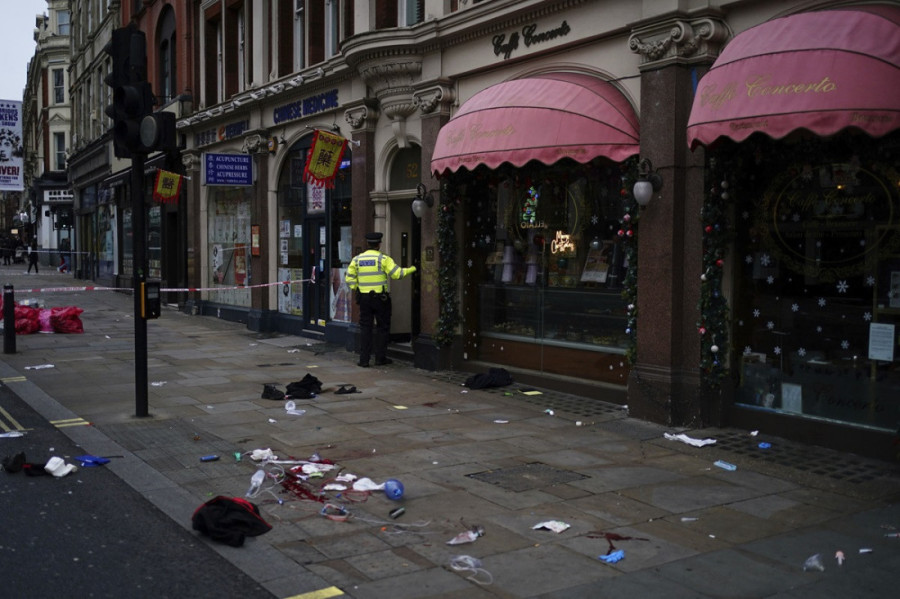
point(165, 289)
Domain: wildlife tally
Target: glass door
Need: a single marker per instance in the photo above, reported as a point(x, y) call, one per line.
point(316, 273)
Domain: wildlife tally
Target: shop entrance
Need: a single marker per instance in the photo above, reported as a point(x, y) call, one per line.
point(316, 274)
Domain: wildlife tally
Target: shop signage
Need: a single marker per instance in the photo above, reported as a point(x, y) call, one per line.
point(529, 36)
point(58, 196)
point(818, 219)
point(227, 169)
point(562, 244)
point(223, 133)
point(306, 107)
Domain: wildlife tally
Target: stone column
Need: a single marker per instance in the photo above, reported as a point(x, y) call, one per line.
point(664, 385)
point(362, 116)
point(433, 100)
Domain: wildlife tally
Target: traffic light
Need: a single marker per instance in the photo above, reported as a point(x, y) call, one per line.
point(158, 132)
point(132, 96)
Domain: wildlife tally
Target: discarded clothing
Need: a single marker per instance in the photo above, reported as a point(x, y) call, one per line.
point(229, 520)
point(494, 377)
point(304, 388)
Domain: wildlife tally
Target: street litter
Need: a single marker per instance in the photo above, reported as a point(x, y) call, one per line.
point(754, 433)
point(839, 556)
point(58, 467)
point(554, 525)
point(11, 434)
point(494, 377)
point(725, 465)
point(893, 535)
point(39, 367)
point(157, 383)
point(367, 484)
point(615, 556)
point(501, 421)
point(549, 412)
point(467, 563)
point(468, 536)
point(262, 454)
point(765, 445)
point(687, 519)
point(291, 408)
point(272, 421)
point(393, 489)
point(689, 440)
point(814, 562)
point(865, 550)
point(229, 520)
point(91, 461)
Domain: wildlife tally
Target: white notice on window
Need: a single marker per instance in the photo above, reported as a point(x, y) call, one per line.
point(881, 342)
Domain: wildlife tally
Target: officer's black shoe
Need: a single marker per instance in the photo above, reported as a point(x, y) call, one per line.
point(363, 364)
point(384, 362)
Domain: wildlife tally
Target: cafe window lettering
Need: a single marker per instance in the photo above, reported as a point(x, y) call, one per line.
point(544, 247)
point(816, 305)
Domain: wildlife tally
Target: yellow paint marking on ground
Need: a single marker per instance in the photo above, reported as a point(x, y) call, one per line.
point(320, 594)
point(69, 422)
point(13, 379)
point(11, 420)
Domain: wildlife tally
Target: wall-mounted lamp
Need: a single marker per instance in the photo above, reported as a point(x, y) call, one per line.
point(424, 200)
point(648, 183)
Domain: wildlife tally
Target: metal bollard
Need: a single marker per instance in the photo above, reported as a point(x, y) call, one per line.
point(9, 320)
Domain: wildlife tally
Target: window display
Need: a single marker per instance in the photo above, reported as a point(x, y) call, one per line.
point(552, 266)
point(229, 244)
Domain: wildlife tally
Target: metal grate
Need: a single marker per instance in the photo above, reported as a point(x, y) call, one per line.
point(807, 459)
point(526, 477)
point(574, 405)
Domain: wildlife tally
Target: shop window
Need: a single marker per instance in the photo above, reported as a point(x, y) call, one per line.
point(229, 244)
point(314, 232)
point(816, 301)
point(542, 249)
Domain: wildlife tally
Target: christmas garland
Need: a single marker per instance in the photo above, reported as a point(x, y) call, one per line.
point(448, 317)
point(713, 324)
point(628, 226)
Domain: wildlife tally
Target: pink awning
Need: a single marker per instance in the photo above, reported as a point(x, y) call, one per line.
point(823, 71)
point(545, 118)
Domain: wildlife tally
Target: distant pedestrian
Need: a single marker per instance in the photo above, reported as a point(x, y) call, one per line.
point(32, 257)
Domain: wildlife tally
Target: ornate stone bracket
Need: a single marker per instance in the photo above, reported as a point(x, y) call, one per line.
point(391, 79)
point(679, 41)
point(363, 115)
point(434, 98)
point(190, 161)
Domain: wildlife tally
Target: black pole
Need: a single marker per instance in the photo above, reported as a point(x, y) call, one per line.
point(9, 319)
point(139, 276)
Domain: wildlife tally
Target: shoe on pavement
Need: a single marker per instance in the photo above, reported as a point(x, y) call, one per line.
point(363, 364)
point(384, 362)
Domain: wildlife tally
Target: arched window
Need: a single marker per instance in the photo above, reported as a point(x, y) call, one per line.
point(166, 54)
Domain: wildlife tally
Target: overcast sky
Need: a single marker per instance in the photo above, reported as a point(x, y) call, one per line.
point(17, 44)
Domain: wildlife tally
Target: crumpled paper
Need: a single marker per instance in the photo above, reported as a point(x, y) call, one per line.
point(689, 440)
point(554, 525)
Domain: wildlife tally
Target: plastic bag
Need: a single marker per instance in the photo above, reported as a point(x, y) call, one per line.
point(67, 320)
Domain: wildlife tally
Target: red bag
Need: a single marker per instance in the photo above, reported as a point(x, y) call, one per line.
point(67, 320)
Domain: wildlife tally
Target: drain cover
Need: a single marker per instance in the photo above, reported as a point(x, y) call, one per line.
point(534, 475)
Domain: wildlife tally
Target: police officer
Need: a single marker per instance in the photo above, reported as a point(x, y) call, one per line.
point(367, 277)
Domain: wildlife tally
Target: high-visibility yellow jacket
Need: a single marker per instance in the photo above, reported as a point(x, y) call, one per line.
point(370, 270)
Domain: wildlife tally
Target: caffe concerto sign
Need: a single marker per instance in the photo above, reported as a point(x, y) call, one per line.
point(529, 36)
point(825, 220)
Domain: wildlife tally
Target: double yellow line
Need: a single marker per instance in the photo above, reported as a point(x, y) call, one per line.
point(9, 424)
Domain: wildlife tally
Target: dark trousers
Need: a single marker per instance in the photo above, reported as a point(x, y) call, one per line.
point(374, 309)
point(33, 261)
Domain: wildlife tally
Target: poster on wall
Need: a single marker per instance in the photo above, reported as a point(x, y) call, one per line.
point(340, 295)
point(11, 176)
point(596, 266)
point(240, 264)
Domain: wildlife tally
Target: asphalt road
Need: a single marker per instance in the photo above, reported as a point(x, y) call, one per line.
point(88, 534)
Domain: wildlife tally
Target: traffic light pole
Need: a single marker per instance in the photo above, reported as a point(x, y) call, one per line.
point(139, 275)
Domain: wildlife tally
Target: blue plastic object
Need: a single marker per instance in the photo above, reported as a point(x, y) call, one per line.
point(393, 488)
point(613, 557)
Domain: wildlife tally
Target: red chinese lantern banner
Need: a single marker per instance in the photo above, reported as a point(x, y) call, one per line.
point(324, 159)
point(167, 187)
